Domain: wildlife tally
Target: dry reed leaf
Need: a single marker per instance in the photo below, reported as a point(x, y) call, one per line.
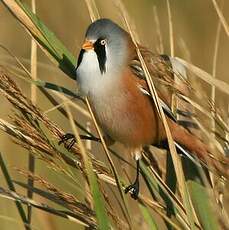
point(9, 89)
point(203, 75)
point(22, 17)
point(26, 22)
point(171, 35)
point(70, 216)
point(92, 9)
point(72, 202)
point(158, 30)
point(221, 17)
point(74, 105)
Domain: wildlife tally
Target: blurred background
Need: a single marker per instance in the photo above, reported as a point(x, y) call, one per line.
point(195, 25)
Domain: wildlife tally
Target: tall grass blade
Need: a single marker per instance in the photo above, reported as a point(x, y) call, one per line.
point(221, 17)
point(11, 187)
point(68, 204)
point(203, 75)
point(200, 195)
point(201, 202)
point(100, 208)
point(11, 195)
point(148, 217)
point(48, 42)
point(175, 156)
point(171, 181)
point(116, 176)
point(33, 68)
point(166, 193)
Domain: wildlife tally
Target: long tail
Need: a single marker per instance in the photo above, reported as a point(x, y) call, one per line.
point(186, 133)
point(191, 146)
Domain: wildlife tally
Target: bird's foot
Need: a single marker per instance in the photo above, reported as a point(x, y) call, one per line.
point(68, 140)
point(133, 189)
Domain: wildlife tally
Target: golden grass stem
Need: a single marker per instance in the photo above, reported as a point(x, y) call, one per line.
point(73, 105)
point(203, 75)
point(31, 158)
point(171, 36)
point(158, 30)
point(175, 156)
point(89, 171)
point(92, 9)
point(33, 61)
point(221, 17)
point(214, 65)
point(126, 214)
point(16, 59)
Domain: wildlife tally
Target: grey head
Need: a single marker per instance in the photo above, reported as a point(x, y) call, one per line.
point(103, 54)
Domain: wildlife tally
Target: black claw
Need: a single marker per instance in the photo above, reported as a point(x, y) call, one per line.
point(73, 141)
point(68, 140)
point(134, 188)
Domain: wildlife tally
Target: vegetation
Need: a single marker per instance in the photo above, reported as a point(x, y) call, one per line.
point(85, 186)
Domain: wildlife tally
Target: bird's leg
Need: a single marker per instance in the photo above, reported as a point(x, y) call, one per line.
point(69, 140)
point(90, 138)
point(134, 187)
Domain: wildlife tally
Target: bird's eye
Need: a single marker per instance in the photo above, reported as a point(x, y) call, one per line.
point(103, 42)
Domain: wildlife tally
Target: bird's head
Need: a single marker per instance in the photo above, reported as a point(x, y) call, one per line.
point(104, 53)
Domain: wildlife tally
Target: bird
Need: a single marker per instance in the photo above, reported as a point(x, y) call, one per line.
point(110, 75)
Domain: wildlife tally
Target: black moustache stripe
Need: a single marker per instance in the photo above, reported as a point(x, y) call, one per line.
point(80, 58)
point(100, 51)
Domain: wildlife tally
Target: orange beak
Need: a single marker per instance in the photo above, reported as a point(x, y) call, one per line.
point(87, 45)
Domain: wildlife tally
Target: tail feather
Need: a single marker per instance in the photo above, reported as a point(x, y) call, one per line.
point(186, 131)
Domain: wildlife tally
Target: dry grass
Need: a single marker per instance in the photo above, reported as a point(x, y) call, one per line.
point(176, 201)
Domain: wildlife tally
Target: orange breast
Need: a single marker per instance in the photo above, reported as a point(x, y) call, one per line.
point(126, 114)
point(148, 128)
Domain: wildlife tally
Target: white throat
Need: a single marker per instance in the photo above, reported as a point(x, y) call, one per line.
point(90, 78)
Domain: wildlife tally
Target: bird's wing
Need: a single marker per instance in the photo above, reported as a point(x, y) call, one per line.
point(170, 80)
point(167, 110)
